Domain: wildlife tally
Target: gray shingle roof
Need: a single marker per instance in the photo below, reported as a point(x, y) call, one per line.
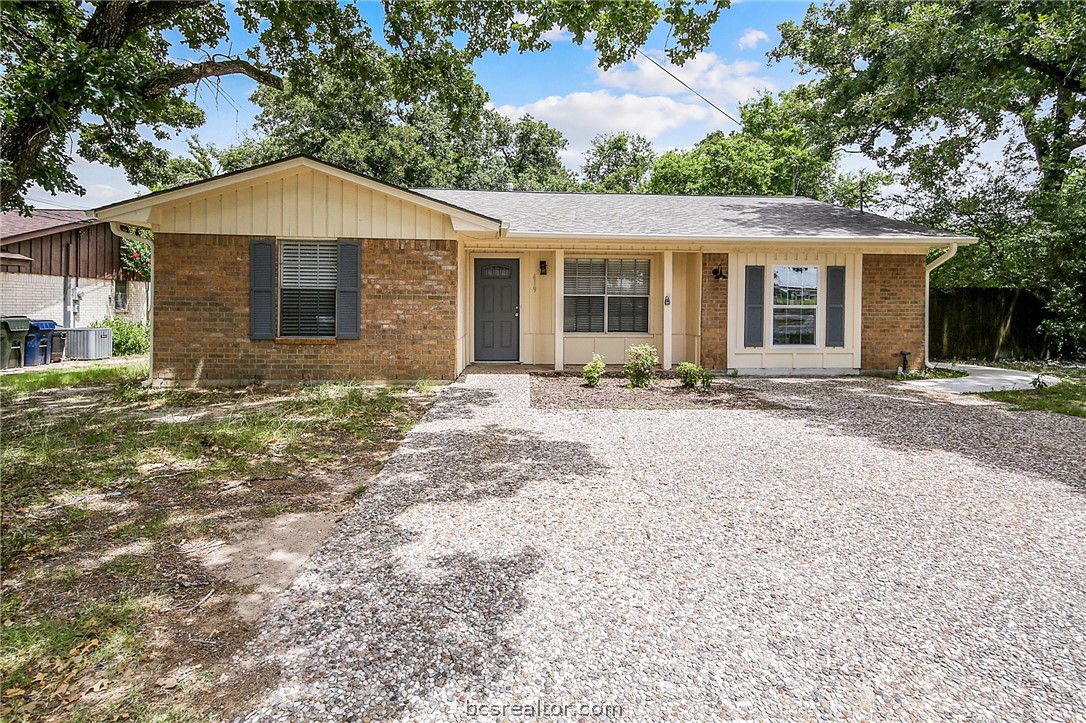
point(652, 216)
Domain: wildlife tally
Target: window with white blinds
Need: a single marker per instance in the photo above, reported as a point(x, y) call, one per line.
point(307, 288)
point(607, 295)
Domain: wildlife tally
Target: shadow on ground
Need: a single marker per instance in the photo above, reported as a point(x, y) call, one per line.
point(363, 632)
point(1040, 443)
point(459, 402)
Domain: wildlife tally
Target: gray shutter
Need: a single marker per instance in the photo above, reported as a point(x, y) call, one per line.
point(754, 318)
point(261, 289)
point(835, 306)
point(349, 291)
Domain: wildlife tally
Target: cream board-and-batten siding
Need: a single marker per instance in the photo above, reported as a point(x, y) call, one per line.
point(300, 199)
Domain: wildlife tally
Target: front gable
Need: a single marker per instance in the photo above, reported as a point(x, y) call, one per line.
point(299, 198)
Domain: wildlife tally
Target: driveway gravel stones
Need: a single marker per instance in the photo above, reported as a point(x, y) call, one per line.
point(869, 552)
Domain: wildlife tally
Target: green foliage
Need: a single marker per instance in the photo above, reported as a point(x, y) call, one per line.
point(129, 337)
point(617, 162)
point(340, 120)
point(779, 151)
point(89, 72)
point(846, 189)
point(938, 79)
point(640, 368)
point(593, 371)
point(136, 259)
point(693, 376)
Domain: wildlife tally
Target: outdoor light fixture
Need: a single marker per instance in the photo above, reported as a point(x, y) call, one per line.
point(667, 301)
point(542, 268)
point(719, 274)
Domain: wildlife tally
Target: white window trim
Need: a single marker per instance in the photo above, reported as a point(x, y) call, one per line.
point(819, 307)
point(606, 299)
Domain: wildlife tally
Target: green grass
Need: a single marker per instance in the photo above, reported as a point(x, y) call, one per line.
point(30, 640)
point(1067, 397)
point(26, 382)
point(931, 373)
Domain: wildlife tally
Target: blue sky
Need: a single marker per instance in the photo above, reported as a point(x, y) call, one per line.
point(562, 86)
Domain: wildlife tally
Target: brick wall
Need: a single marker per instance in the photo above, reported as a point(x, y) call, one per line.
point(33, 295)
point(714, 312)
point(40, 296)
point(893, 311)
point(202, 316)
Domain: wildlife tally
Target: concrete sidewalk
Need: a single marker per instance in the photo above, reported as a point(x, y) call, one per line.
point(981, 379)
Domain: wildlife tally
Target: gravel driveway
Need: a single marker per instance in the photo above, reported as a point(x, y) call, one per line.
point(872, 551)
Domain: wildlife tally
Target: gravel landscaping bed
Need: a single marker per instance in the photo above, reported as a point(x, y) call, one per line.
point(870, 552)
point(567, 391)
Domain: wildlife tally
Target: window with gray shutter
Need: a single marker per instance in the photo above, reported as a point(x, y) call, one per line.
point(753, 317)
point(262, 289)
point(308, 282)
point(835, 306)
point(349, 291)
point(607, 295)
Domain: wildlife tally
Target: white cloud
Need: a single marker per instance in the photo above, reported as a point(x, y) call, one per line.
point(707, 73)
point(103, 185)
point(751, 38)
point(582, 115)
point(554, 35)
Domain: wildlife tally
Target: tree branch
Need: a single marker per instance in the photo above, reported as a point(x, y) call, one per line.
point(1053, 71)
point(188, 74)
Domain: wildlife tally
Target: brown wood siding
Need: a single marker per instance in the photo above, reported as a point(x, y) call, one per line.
point(90, 252)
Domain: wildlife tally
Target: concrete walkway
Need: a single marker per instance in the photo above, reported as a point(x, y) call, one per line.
point(981, 379)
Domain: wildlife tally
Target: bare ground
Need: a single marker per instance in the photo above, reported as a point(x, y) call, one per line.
point(566, 391)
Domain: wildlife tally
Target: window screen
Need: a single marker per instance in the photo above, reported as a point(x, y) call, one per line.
point(120, 295)
point(795, 304)
point(607, 295)
point(307, 288)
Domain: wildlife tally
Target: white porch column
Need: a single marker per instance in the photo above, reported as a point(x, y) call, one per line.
point(669, 303)
point(559, 308)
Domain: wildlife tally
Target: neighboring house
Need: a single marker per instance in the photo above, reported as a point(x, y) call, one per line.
point(298, 270)
point(60, 265)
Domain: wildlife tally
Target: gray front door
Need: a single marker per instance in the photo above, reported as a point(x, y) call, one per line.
point(497, 310)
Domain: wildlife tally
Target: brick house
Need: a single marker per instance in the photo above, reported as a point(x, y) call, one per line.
point(58, 264)
point(298, 270)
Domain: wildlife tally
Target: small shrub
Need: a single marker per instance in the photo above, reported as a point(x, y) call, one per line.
point(129, 337)
point(640, 366)
point(692, 376)
point(593, 371)
point(689, 374)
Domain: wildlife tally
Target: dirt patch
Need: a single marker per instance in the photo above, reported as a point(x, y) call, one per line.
point(146, 533)
point(559, 391)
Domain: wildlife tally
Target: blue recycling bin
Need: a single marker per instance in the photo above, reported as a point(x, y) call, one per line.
point(39, 342)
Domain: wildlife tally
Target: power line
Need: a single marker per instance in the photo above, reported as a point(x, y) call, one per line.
point(720, 110)
point(47, 202)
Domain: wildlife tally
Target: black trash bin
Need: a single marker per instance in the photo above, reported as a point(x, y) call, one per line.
point(60, 340)
point(12, 340)
point(39, 342)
